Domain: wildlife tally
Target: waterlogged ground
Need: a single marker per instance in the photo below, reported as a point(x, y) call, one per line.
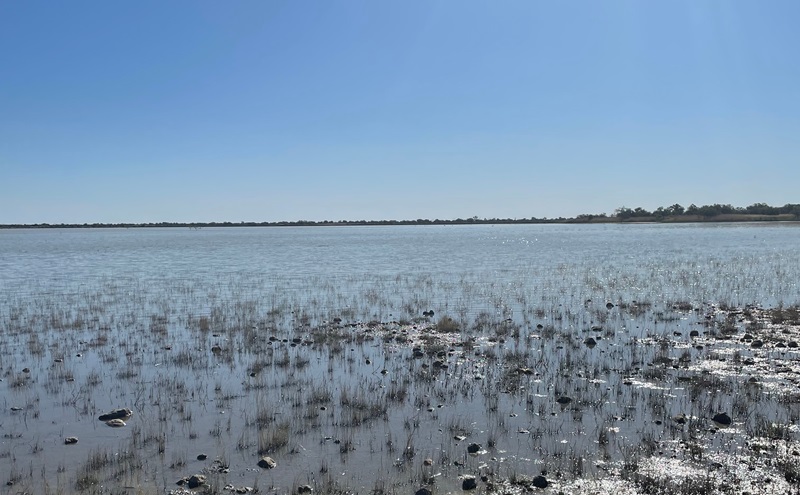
point(557, 359)
point(617, 397)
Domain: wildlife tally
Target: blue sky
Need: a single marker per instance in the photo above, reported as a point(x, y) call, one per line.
point(270, 110)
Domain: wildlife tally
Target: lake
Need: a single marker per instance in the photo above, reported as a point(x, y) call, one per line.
point(310, 345)
point(733, 263)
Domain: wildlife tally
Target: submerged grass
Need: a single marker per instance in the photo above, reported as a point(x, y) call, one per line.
point(339, 380)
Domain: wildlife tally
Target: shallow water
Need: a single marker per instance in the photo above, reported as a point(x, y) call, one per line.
point(144, 307)
point(734, 263)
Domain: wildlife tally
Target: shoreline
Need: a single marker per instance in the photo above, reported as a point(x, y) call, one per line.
point(588, 219)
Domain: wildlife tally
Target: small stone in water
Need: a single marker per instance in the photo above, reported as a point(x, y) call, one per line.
point(267, 463)
point(469, 483)
point(723, 419)
point(541, 481)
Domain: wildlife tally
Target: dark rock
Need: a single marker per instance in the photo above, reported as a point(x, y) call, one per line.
point(694, 333)
point(267, 463)
point(423, 491)
point(196, 480)
point(564, 400)
point(680, 419)
point(473, 448)
point(792, 345)
point(590, 342)
point(202, 457)
point(123, 414)
point(723, 419)
point(70, 440)
point(609, 305)
point(304, 489)
point(540, 482)
point(238, 489)
point(469, 483)
point(26, 370)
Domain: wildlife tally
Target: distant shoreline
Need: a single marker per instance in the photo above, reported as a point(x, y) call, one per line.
point(583, 219)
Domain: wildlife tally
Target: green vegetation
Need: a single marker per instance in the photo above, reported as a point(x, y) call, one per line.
point(757, 212)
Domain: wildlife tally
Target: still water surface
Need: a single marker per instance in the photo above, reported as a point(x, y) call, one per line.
point(106, 318)
point(733, 263)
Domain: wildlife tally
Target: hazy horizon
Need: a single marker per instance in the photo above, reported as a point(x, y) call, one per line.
point(198, 111)
point(461, 219)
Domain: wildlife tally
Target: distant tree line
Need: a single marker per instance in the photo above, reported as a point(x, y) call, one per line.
point(676, 212)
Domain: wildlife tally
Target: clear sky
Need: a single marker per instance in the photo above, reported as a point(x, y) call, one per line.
point(267, 110)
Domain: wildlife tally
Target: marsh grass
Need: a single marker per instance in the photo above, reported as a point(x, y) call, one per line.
point(447, 325)
point(273, 437)
point(781, 315)
point(307, 369)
